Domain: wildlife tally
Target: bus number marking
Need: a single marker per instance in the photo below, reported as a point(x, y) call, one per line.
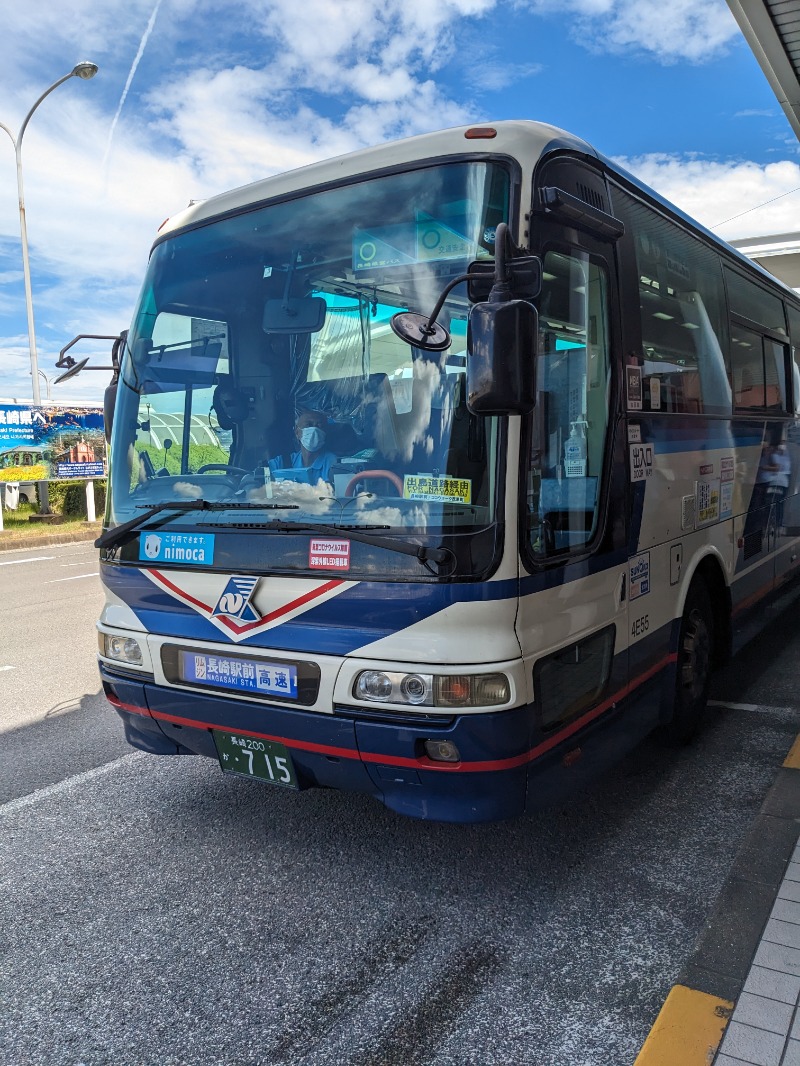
point(640, 626)
point(641, 461)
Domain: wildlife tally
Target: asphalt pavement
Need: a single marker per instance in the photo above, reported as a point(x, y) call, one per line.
point(156, 912)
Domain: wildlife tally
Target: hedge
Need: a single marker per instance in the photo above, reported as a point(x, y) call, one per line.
point(68, 498)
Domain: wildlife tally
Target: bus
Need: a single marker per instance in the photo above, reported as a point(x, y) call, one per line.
point(482, 457)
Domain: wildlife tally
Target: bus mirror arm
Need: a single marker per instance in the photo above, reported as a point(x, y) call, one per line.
point(508, 274)
point(72, 368)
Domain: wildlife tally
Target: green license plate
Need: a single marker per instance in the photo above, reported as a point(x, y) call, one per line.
point(251, 757)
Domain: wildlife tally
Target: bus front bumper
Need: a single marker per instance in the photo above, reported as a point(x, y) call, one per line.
point(506, 764)
point(344, 750)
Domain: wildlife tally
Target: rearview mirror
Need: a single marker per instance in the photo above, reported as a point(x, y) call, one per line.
point(305, 314)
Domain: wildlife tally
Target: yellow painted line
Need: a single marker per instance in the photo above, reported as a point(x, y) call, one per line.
point(792, 760)
point(688, 1031)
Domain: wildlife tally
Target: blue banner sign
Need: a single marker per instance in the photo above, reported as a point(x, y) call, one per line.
point(50, 442)
point(269, 679)
point(80, 470)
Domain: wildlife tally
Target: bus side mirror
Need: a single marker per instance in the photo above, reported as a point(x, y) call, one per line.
point(110, 395)
point(109, 402)
point(501, 350)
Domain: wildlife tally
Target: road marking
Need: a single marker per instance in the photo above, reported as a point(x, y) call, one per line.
point(74, 577)
point(759, 708)
point(688, 1030)
point(792, 760)
point(35, 559)
point(7, 668)
point(62, 786)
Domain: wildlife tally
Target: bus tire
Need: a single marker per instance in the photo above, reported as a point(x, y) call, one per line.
point(693, 667)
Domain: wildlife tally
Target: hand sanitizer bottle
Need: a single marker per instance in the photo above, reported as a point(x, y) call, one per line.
point(575, 453)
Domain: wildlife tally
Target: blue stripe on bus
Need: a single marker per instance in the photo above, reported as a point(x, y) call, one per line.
point(367, 612)
point(708, 436)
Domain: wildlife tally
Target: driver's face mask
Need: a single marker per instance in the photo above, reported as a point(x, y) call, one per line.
point(312, 438)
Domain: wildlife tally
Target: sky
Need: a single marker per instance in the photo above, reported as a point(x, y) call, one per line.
point(194, 97)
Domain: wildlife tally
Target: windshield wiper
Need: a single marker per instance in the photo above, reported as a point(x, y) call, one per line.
point(418, 551)
point(112, 537)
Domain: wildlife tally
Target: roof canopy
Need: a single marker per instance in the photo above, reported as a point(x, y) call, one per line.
point(772, 29)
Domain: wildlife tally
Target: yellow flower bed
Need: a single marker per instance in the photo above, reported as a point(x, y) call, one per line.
point(24, 473)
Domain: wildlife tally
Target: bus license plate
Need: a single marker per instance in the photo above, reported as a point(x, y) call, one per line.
point(252, 757)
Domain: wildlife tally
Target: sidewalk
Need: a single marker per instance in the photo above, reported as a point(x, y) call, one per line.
point(737, 1000)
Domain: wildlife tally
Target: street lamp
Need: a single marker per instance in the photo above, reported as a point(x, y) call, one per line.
point(47, 383)
point(83, 70)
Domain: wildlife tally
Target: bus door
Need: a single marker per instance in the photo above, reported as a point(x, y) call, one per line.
point(573, 621)
point(759, 388)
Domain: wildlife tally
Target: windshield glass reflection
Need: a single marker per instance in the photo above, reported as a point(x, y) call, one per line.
point(262, 366)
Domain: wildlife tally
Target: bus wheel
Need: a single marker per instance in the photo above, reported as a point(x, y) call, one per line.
point(695, 656)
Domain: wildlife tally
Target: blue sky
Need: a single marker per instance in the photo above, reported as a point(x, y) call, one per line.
point(217, 93)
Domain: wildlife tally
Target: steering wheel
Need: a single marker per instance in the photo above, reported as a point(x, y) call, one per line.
point(222, 466)
point(387, 475)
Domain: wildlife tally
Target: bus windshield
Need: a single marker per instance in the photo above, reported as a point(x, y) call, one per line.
point(261, 366)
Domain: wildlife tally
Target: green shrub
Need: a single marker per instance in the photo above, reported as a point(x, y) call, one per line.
point(68, 498)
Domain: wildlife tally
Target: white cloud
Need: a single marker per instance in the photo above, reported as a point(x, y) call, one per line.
point(668, 30)
point(278, 84)
point(713, 192)
point(304, 82)
point(499, 75)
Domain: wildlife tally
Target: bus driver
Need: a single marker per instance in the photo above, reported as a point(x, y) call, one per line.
point(309, 429)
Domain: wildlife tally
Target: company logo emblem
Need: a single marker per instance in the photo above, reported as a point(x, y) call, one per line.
point(235, 600)
point(152, 545)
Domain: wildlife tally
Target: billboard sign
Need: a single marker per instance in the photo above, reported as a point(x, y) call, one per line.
point(51, 442)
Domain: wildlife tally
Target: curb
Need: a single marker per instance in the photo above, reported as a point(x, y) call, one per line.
point(39, 540)
point(690, 1026)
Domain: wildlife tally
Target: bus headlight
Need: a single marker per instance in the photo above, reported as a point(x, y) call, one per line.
point(432, 690)
point(123, 649)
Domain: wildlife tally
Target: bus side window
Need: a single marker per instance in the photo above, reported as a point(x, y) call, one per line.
point(758, 371)
point(571, 417)
point(682, 312)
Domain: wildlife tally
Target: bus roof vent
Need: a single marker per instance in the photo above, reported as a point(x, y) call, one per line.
point(592, 197)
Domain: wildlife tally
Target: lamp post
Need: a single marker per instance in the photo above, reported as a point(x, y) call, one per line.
point(47, 384)
point(84, 70)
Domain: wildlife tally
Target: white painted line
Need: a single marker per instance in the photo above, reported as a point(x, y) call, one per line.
point(62, 786)
point(2, 668)
point(35, 559)
point(758, 708)
point(75, 577)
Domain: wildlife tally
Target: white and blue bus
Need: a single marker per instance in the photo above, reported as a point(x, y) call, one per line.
point(457, 544)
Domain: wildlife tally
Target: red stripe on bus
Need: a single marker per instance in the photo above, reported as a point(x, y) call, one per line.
point(752, 599)
point(116, 702)
point(482, 766)
point(228, 622)
point(174, 588)
point(280, 611)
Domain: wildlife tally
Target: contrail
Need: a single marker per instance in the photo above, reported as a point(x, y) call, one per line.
point(131, 73)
